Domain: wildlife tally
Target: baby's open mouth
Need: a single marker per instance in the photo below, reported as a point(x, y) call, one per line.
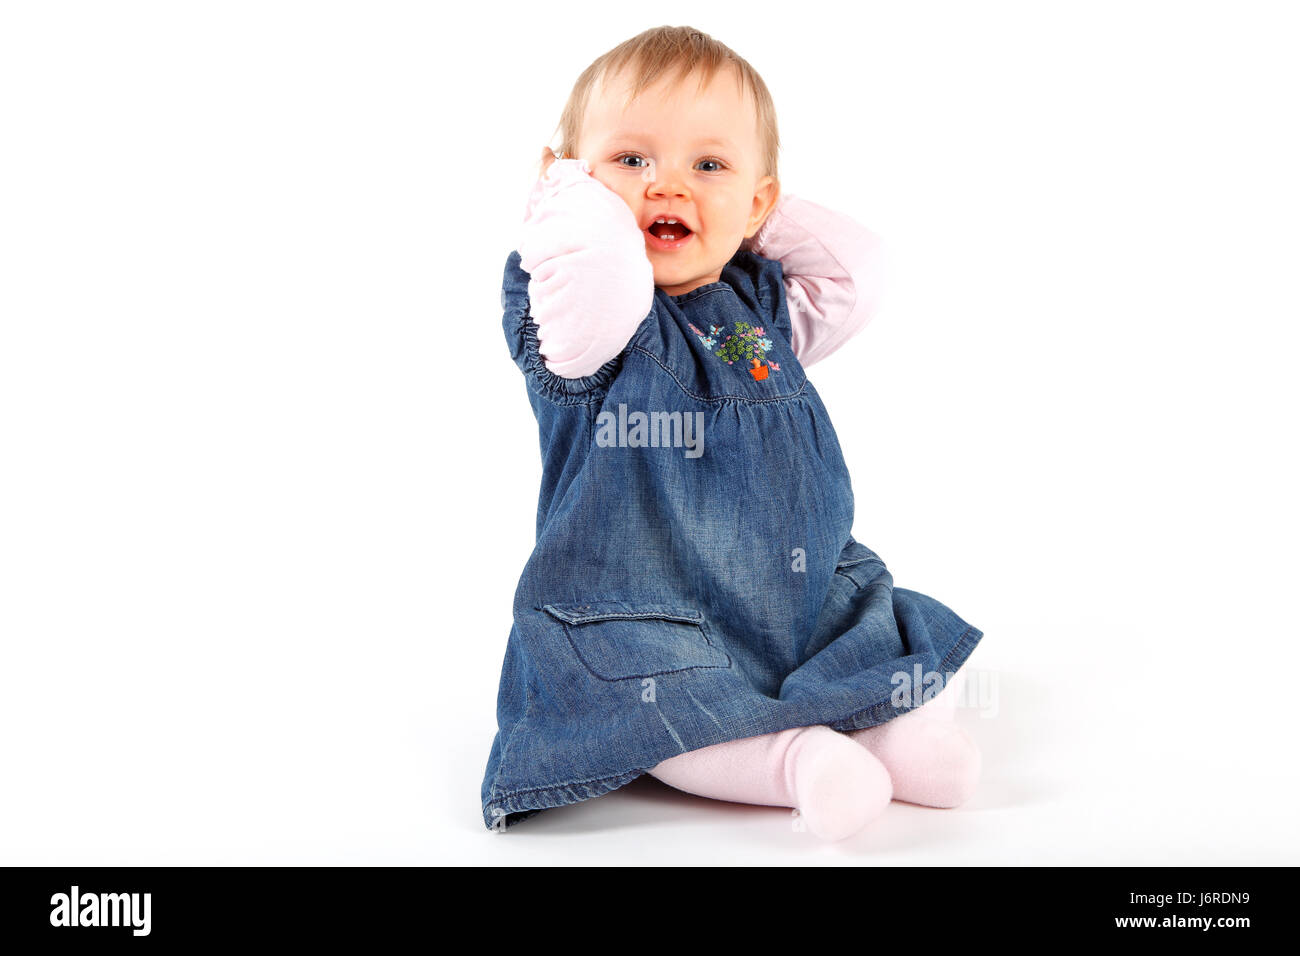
point(670, 231)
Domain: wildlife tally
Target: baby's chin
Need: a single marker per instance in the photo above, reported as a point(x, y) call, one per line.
point(676, 274)
point(679, 285)
point(668, 275)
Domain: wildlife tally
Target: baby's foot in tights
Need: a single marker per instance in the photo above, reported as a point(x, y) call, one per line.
point(837, 786)
point(836, 793)
point(931, 760)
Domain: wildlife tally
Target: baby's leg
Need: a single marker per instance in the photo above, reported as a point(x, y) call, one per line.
point(944, 704)
point(930, 759)
point(816, 769)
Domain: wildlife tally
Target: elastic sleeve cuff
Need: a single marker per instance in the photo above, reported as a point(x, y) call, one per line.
point(556, 388)
point(521, 338)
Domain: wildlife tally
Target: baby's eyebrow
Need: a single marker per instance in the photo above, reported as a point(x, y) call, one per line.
point(711, 141)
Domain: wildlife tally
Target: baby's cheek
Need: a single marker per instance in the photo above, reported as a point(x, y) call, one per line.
point(606, 179)
point(620, 189)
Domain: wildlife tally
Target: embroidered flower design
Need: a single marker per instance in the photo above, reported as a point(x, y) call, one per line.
point(745, 343)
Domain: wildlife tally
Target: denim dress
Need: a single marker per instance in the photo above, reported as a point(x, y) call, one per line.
point(694, 578)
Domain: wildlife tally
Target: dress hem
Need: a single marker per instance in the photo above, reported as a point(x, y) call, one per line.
point(505, 811)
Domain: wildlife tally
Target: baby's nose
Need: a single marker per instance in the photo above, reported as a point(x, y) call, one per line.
point(663, 181)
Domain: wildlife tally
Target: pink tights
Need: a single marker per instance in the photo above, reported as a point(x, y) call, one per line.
point(840, 782)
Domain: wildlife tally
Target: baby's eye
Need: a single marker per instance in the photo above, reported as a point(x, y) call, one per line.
point(640, 165)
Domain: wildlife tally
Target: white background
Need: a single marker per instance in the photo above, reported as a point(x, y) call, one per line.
point(270, 476)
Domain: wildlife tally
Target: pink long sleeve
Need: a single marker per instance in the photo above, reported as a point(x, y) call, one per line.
point(833, 269)
point(590, 283)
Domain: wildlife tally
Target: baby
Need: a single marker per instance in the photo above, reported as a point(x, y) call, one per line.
point(695, 606)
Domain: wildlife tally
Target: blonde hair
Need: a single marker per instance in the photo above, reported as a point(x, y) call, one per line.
point(661, 50)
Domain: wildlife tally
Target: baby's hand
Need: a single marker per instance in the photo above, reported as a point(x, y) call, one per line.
point(548, 157)
point(590, 281)
point(567, 194)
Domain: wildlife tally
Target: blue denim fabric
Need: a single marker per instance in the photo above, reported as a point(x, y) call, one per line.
point(663, 608)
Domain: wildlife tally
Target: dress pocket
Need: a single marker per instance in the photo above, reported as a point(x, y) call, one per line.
point(619, 641)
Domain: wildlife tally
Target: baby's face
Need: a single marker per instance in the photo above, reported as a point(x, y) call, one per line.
point(676, 154)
